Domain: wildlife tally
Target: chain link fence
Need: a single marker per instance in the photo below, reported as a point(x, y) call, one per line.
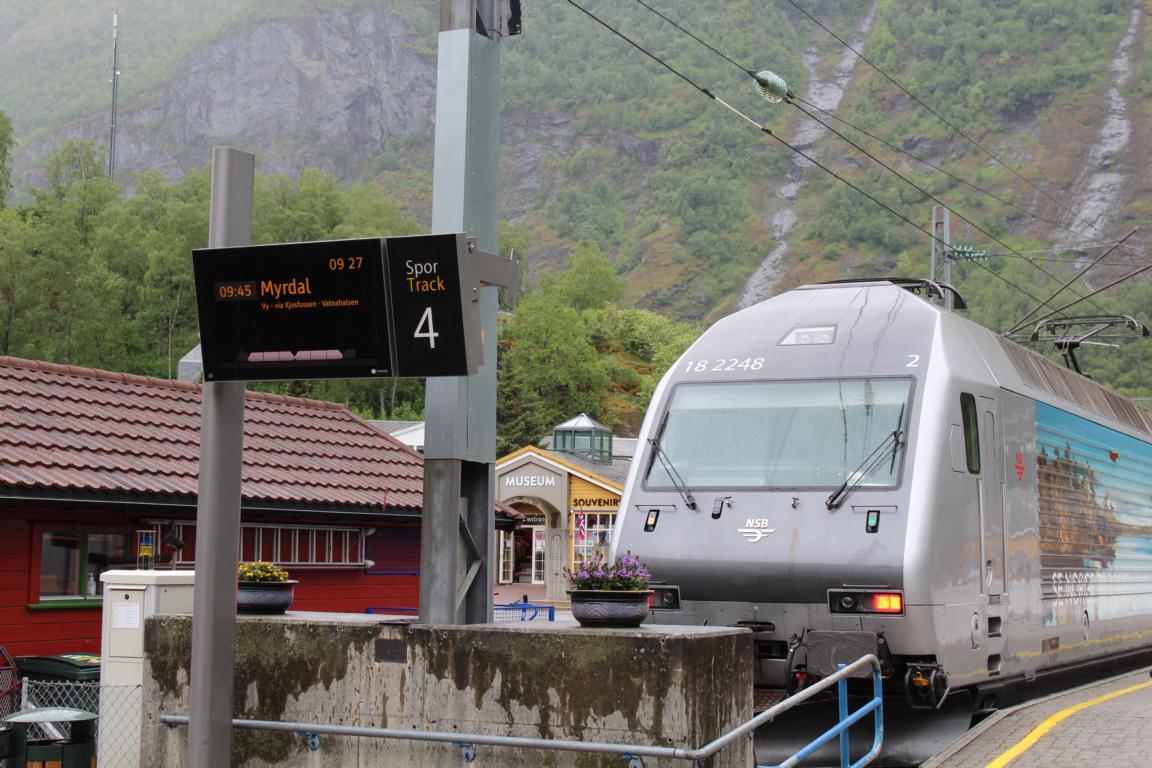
point(119, 708)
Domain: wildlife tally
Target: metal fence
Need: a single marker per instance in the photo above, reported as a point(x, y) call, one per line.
point(116, 704)
point(501, 614)
point(516, 612)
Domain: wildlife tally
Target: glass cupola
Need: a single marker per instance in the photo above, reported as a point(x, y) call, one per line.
point(583, 436)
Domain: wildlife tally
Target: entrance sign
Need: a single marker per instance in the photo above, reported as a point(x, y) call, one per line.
point(369, 307)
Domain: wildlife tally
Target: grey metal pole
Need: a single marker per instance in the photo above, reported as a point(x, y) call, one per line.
point(935, 235)
point(947, 249)
point(218, 500)
point(456, 576)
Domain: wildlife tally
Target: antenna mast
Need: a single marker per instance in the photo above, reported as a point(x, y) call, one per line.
point(115, 84)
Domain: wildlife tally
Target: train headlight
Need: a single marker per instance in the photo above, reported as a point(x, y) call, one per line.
point(848, 603)
point(665, 597)
point(809, 334)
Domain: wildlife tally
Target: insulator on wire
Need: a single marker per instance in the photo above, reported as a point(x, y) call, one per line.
point(771, 86)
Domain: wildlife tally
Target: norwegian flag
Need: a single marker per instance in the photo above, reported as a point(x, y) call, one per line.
point(581, 527)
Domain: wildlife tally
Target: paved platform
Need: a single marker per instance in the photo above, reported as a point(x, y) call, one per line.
point(1106, 724)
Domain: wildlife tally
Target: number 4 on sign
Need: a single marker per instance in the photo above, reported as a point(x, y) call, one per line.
point(424, 329)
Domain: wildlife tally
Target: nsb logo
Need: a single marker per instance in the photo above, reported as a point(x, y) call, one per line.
point(756, 528)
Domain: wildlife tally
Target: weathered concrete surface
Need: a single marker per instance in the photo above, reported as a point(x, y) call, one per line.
point(664, 686)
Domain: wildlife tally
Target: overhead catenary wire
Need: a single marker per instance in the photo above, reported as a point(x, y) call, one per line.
point(775, 89)
point(918, 188)
point(932, 111)
point(764, 129)
point(752, 73)
point(780, 91)
point(958, 179)
point(1020, 323)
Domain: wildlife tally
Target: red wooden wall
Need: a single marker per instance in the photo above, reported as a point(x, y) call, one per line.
point(25, 632)
point(45, 631)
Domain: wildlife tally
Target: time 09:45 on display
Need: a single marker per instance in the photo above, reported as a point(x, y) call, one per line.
point(237, 291)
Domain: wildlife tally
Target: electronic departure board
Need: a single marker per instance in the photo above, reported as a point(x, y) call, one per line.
point(399, 306)
point(293, 310)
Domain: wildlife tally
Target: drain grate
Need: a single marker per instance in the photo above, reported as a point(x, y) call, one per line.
point(763, 698)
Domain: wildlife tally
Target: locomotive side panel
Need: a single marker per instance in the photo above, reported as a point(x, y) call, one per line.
point(1021, 620)
point(955, 558)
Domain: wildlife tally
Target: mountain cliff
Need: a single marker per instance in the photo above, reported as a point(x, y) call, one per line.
point(1046, 105)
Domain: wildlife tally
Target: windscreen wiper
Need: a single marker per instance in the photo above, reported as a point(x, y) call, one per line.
point(868, 466)
point(896, 444)
point(677, 481)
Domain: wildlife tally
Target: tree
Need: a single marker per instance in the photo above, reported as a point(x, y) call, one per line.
point(550, 371)
point(13, 280)
point(589, 281)
point(6, 144)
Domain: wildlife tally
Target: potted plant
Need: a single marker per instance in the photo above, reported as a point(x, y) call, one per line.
point(262, 587)
point(609, 595)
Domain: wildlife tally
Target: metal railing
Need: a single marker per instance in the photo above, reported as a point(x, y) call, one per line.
point(467, 742)
point(874, 705)
point(501, 614)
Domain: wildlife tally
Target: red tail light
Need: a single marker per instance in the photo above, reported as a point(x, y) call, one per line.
point(888, 602)
point(866, 602)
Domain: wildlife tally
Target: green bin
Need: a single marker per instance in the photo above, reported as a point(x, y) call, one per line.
point(77, 751)
point(64, 667)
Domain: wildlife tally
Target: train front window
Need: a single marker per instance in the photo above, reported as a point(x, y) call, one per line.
point(782, 434)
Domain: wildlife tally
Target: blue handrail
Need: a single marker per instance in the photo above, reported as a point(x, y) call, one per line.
point(874, 705)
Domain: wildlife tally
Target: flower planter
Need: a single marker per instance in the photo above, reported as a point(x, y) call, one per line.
point(266, 597)
point(609, 608)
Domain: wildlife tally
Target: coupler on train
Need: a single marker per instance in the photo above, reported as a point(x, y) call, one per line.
point(819, 653)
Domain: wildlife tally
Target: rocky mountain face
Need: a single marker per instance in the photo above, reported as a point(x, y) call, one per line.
point(352, 80)
point(327, 91)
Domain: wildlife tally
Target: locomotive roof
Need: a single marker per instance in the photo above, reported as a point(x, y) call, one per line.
point(1016, 367)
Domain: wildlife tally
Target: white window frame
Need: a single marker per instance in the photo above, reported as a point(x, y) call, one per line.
point(327, 546)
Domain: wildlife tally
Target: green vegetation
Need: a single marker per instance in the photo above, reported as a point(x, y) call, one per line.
point(6, 143)
point(569, 348)
point(94, 277)
point(655, 197)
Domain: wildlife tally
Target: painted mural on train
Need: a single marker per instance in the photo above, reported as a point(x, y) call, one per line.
point(1095, 504)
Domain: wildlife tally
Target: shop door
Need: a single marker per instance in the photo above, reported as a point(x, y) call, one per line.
point(506, 557)
point(539, 559)
point(529, 555)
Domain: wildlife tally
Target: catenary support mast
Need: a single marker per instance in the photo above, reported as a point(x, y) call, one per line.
point(456, 573)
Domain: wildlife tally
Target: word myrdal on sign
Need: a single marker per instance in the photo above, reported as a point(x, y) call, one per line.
point(396, 306)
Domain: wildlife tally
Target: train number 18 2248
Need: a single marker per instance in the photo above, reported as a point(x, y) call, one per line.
point(724, 364)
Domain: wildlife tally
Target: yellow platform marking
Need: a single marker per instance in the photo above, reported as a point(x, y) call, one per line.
point(1028, 741)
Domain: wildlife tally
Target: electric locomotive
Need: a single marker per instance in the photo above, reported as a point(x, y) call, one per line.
point(849, 468)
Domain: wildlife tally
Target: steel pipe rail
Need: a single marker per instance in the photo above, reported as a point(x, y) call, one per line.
point(627, 750)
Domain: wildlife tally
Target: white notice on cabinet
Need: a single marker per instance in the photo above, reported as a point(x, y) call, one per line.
point(125, 616)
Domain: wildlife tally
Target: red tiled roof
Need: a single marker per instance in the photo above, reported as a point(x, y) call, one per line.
point(83, 430)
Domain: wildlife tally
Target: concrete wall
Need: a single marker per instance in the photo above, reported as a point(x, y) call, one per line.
point(666, 686)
